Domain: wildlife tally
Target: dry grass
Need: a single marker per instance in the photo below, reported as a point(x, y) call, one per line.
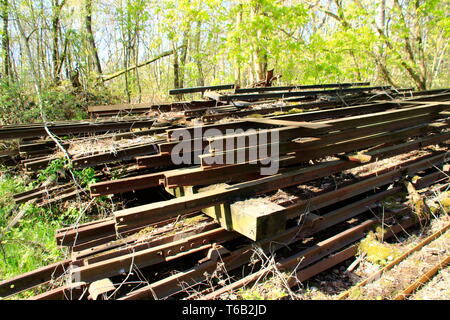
point(94, 146)
point(436, 289)
point(406, 272)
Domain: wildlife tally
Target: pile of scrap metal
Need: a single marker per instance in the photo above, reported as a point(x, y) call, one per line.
point(341, 151)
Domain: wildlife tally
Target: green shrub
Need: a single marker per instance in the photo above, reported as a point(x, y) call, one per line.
point(18, 104)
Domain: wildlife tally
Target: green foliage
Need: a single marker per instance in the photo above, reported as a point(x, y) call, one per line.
point(9, 185)
point(85, 176)
point(54, 170)
point(58, 169)
point(13, 102)
point(31, 243)
point(19, 105)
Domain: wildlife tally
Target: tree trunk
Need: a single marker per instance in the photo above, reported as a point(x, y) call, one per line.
point(56, 16)
point(237, 68)
point(90, 34)
point(176, 69)
point(183, 56)
point(5, 40)
point(119, 73)
point(259, 54)
point(198, 61)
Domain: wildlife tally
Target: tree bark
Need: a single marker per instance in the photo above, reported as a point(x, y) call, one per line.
point(183, 57)
point(198, 61)
point(259, 55)
point(176, 69)
point(237, 68)
point(5, 40)
point(56, 20)
point(121, 72)
point(90, 34)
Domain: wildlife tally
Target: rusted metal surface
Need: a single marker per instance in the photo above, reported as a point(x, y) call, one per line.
point(38, 130)
point(33, 278)
point(149, 237)
point(286, 94)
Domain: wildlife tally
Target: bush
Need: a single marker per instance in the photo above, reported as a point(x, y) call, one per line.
point(59, 103)
point(13, 102)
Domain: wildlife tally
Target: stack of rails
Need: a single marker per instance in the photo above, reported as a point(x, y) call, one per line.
point(121, 110)
point(35, 154)
point(196, 242)
point(224, 103)
point(36, 149)
point(145, 108)
point(197, 226)
point(70, 128)
point(245, 109)
point(122, 154)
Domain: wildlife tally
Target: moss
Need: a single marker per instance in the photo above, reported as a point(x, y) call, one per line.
point(193, 220)
point(377, 252)
point(294, 110)
point(355, 293)
point(256, 115)
point(291, 111)
point(187, 222)
point(444, 201)
point(270, 289)
point(279, 113)
point(361, 157)
point(145, 231)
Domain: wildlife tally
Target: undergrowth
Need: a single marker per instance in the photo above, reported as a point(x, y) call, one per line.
point(59, 169)
point(30, 243)
point(19, 105)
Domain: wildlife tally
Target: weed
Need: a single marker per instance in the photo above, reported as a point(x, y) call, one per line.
point(57, 169)
point(271, 289)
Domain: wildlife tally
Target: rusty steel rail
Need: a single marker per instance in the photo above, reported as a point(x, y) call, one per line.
point(133, 217)
point(395, 262)
point(308, 263)
point(287, 94)
point(200, 89)
point(33, 278)
point(38, 130)
point(317, 224)
point(171, 285)
point(423, 279)
point(314, 86)
point(90, 231)
point(312, 225)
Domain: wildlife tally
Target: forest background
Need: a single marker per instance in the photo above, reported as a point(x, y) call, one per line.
point(76, 53)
